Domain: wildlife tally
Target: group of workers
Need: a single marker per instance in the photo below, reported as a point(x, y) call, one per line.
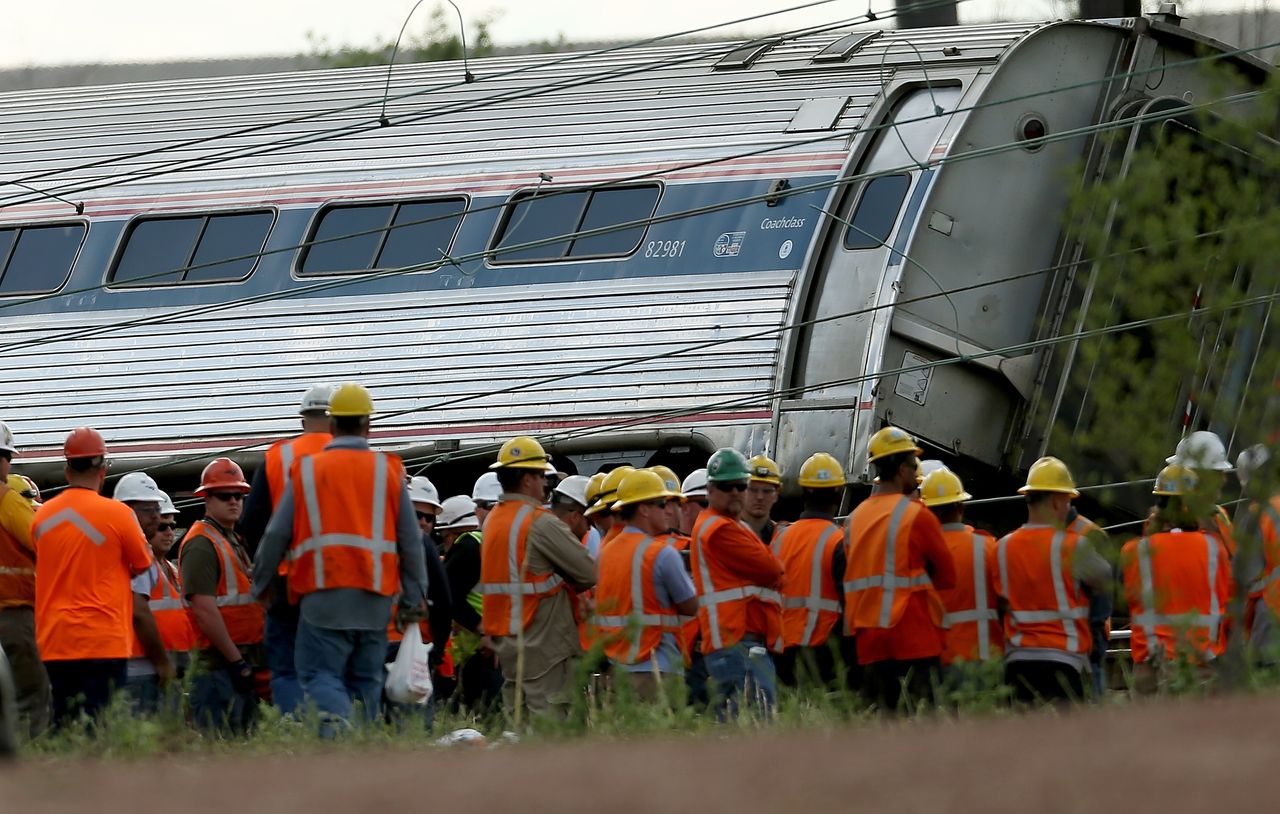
point(296, 589)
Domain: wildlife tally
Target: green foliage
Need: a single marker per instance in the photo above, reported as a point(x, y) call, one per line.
point(437, 41)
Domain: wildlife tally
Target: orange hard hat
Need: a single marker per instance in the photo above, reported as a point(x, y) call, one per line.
point(222, 473)
point(84, 442)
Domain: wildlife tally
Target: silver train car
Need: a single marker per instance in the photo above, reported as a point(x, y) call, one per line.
point(638, 255)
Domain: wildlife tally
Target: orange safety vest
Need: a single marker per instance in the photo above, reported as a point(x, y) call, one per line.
point(170, 611)
point(1046, 606)
point(630, 619)
point(1224, 529)
point(17, 561)
point(879, 579)
point(690, 628)
point(510, 591)
point(588, 635)
point(345, 506)
point(280, 458)
point(810, 596)
point(723, 596)
point(1267, 586)
point(1178, 585)
point(974, 632)
point(240, 612)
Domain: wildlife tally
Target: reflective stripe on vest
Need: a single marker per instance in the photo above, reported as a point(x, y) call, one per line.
point(814, 603)
point(637, 615)
point(518, 589)
point(981, 612)
point(230, 569)
point(377, 546)
point(1148, 619)
point(74, 518)
point(1271, 577)
point(889, 581)
point(24, 572)
point(710, 601)
point(1064, 613)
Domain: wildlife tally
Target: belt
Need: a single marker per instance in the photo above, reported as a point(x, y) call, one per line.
point(753, 638)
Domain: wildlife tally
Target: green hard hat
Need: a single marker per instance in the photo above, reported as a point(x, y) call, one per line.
point(727, 465)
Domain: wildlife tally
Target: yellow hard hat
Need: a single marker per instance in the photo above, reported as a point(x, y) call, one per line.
point(641, 486)
point(609, 489)
point(891, 441)
point(521, 452)
point(765, 470)
point(594, 484)
point(821, 471)
point(350, 399)
point(943, 487)
point(1175, 480)
point(669, 477)
point(1050, 475)
point(25, 487)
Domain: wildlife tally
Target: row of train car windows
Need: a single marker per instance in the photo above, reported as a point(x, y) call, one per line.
point(344, 239)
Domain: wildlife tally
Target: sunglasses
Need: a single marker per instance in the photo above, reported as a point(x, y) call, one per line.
point(227, 497)
point(658, 504)
point(425, 516)
point(730, 487)
point(704, 504)
point(167, 526)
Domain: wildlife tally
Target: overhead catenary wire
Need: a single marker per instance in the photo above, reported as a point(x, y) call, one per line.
point(181, 165)
point(356, 279)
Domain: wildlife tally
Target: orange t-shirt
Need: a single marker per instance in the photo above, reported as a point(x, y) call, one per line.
point(88, 548)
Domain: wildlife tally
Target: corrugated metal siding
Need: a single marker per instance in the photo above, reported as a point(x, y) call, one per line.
point(205, 383)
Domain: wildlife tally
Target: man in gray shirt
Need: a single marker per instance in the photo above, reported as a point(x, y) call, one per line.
point(333, 525)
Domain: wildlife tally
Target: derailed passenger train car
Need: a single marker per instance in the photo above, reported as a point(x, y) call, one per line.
point(647, 252)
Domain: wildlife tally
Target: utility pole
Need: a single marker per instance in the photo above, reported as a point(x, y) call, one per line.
point(926, 14)
point(1096, 9)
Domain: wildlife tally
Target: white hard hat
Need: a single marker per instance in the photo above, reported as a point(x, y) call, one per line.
point(574, 487)
point(457, 512)
point(695, 485)
point(6, 440)
point(166, 504)
point(1250, 461)
point(927, 468)
point(316, 399)
point(138, 487)
point(422, 490)
point(487, 489)
point(1201, 450)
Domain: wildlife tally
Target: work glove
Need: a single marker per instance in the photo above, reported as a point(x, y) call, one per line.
point(407, 615)
point(242, 677)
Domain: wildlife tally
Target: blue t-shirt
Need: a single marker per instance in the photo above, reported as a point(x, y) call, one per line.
point(671, 583)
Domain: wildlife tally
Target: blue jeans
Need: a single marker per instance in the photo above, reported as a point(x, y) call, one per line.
point(339, 667)
point(745, 668)
point(216, 705)
point(279, 639)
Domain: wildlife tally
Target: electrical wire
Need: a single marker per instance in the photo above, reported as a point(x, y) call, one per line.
point(469, 210)
point(182, 165)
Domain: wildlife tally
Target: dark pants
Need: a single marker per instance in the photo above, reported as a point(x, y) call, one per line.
point(217, 706)
point(820, 666)
point(479, 684)
point(84, 686)
point(897, 686)
point(280, 640)
point(30, 681)
point(1036, 682)
point(696, 680)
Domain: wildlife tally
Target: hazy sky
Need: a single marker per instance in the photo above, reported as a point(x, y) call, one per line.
point(47, 32)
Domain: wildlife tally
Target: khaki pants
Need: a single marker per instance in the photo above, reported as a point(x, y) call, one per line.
point(648, 686)
point(1152, 678)
point(18, 638)
point(548, 694)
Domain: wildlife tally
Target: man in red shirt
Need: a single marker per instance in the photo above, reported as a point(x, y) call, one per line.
point(897, 562)
point(738, 579)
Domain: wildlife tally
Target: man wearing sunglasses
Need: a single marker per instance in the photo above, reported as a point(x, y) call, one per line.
point(228, 621)
point(644, 594)
point(738, 578)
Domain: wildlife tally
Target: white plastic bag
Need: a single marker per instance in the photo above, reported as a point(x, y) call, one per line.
point(409, 676)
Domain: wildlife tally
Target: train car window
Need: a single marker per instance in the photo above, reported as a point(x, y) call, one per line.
point(531, 218)
point(611, 207)
point(877, 211)
point(362, 237)
point(192, 249)
point(36, 259)
point(421, 232)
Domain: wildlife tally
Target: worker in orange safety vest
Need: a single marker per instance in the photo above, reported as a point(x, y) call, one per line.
point(89, 548)
point(897, 562)
point(974, 630)
point(355, 551)
point(738, 579)
point(270, 484)
point(1043, 570)
point(812, 553)
point(1177, 581)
